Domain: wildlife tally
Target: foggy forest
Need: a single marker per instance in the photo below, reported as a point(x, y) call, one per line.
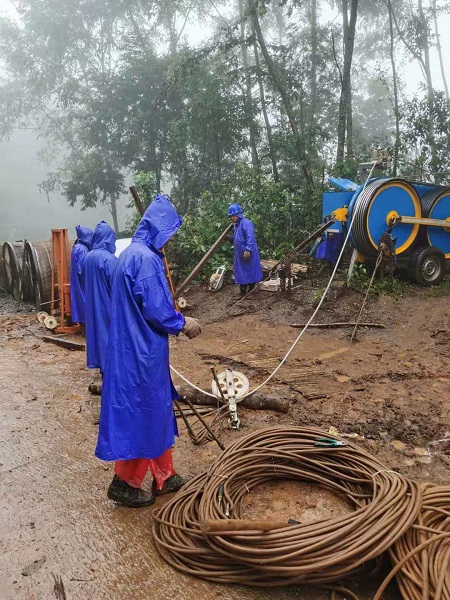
point(212, 102)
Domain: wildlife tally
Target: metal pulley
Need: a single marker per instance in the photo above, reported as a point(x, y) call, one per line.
point(216, 279)
point(41, 316)
point(241, 384)
point(182, 302)
point(233, 386)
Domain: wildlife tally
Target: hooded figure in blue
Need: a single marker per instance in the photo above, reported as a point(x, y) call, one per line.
point(98, 271)
point(79, 253)
point(137, 418)
point(247, 266)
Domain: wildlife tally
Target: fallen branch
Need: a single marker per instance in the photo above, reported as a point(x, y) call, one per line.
point(256, 401)
point(64, 343)
point(350, 324)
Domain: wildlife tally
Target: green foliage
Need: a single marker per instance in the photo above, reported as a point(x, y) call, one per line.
point(362, 274)
point(416, 134)
point(281, 217)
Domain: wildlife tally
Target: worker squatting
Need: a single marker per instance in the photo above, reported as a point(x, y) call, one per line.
point(128, 313)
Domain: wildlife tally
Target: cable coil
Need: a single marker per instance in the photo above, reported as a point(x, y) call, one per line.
point(422, 556)
point(318, 553)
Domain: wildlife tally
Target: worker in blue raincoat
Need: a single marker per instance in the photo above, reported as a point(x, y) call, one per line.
point(98, 271)
point(247, 266)
point(78, 255)
point(137, 423)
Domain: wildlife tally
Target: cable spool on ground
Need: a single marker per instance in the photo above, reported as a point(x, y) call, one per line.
point(371, 207)
point(436, 205)
point(50, 322)
point(38, 261)
point(318, 553)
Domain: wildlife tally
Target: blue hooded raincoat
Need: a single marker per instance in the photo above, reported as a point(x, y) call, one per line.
point(98, 271)
point(79, 252)
point(136, 417)
point(244, 239)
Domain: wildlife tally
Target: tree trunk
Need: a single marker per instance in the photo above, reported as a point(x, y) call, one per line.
point(348, 26)
point(430, 91)
point(262, 97)
point(395, 87)
point(248, 88)
point(279, 85)
point(113, 211)
point(313, 72)
point(349, 125)
point(439, 49)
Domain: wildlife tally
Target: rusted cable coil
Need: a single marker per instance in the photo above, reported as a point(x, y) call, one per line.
point(421, 557)
point(318, 553)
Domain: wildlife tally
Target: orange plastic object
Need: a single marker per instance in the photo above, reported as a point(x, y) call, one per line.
point(134, 470)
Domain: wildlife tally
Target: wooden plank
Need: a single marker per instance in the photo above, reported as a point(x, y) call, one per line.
point(64, 343)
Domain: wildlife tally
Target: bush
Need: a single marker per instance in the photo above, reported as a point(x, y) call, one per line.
point(282, 217)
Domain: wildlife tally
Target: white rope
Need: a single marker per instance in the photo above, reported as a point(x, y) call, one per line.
point(192, 384)
point(300, 335)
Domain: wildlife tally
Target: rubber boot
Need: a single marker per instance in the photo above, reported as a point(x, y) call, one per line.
point(173, 484)
point(127, 495)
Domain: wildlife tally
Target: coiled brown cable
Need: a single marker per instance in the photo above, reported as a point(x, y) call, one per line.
point(422, 555)
point(186, 529)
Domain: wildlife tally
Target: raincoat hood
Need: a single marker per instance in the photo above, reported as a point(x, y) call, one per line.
point(84, 235)
point(104, 238)
point(159, 223)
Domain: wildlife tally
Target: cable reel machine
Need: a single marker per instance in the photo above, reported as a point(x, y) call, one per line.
point(417, 215)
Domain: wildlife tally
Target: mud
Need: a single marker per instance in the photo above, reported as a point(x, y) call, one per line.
point(390, 390)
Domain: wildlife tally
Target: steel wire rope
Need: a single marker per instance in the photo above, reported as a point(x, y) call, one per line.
point(300, 335)
point(193, 534)
point(421, 557)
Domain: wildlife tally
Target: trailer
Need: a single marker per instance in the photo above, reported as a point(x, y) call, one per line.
point(415, 214)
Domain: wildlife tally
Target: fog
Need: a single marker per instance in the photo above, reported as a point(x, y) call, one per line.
point(25, 212)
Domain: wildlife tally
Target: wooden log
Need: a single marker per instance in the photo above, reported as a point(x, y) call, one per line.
point(255, 402)
point(350, 324)
point(235, 525)
point(64, 343)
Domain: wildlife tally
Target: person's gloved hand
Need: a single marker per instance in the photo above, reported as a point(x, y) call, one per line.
point(191, 328)
point(247, 254)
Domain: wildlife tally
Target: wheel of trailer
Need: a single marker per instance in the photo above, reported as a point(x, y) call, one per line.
point(427, 266)
point(371, 209)
point(436, 205)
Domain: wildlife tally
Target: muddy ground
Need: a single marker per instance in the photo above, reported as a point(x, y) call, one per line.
point(390, 388)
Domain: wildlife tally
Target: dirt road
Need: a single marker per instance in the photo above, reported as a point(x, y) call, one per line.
point(391, 388)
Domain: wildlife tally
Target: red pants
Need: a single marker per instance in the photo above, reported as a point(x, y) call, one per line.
point(133, 471)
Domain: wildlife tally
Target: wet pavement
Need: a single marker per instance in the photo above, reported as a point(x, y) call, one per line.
point(53, 502)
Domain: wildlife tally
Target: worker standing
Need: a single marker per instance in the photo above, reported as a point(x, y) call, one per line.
point(247, 266)
point(98, 271)
point(78, 255)
point(137, 422)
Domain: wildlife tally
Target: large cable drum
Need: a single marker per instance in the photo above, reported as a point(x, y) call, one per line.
point(371, 208)
point(38, 261)
point(12, 260)
point(436, 205)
